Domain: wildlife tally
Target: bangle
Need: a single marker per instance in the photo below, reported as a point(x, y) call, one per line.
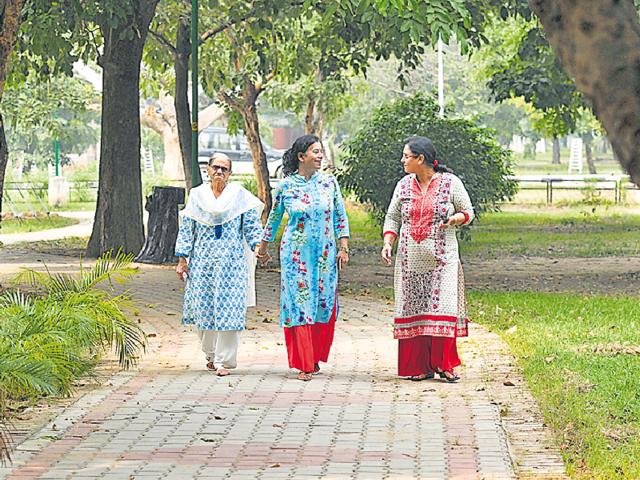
point(344, 249)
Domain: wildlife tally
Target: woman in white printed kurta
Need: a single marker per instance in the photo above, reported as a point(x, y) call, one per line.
point(219, 229)
point(430, 307)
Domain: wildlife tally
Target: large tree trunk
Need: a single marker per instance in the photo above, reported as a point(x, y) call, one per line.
point(10, 20)
point(118, 217)
point(181, 98)
point(555, 160)
point(598, 42)
point(4, 158)
point(587, 139)
point(252, 131)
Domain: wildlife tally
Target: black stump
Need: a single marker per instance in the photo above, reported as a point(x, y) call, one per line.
point(162, 228)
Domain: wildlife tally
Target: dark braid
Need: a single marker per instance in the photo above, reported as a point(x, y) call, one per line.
point(290, 160)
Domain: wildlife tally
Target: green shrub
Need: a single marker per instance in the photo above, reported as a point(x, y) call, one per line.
point(372, 161)
point(54, 334)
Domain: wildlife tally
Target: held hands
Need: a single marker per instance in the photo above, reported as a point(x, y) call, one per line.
point(262, 254)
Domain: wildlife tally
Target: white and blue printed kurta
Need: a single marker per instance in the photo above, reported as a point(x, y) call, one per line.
point(215, 295)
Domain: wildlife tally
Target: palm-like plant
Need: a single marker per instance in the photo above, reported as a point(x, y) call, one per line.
point(50, 337)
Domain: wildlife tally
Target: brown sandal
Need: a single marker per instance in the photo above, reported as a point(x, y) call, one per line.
point(210, 366)
point(305, 377)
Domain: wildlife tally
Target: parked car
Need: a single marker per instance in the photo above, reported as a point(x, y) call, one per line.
point(236, 147)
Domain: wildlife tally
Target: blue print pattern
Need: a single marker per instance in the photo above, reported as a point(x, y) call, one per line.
point(215, 292)
point(309, 274)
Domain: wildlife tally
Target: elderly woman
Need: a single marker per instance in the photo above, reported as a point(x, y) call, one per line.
point(220, 227)
point(430, 307)
point(309, 255)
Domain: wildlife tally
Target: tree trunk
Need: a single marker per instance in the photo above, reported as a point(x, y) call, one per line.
point(173, 167)
point(165, 125)
point(309, 127)
point(10, 20)
point(556, 152)
point(162, 227)
point(598, 42)
point(4, 158)
point(118, 218)
point(181, 98)
point(315, 120)
point(252, 131)
point(587, 139)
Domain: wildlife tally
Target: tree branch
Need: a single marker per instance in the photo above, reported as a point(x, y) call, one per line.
point(233, 103)
point(209, 115)
point(212, 32)
point(163, 41)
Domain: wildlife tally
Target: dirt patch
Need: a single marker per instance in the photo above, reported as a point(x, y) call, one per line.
point(603, 275)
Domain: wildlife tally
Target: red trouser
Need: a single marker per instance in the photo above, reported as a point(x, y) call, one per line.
point(425, 354)
point(309, 344)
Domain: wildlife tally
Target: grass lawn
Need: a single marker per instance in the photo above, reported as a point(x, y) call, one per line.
point(574, 232)
point(581, 359)
point(34, 224)
point(557, 232)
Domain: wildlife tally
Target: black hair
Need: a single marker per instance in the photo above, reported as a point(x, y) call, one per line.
point(290, 160)
point(424, 146)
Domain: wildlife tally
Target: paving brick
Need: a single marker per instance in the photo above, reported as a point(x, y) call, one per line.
point(172, 419)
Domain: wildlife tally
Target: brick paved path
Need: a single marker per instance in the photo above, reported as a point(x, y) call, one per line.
point(172, 419)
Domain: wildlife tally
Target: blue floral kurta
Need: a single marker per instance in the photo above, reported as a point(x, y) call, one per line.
point(309, 273)
point(216, 290)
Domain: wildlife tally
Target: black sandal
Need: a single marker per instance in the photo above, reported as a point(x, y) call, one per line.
point(453, 378)
point(424, 376)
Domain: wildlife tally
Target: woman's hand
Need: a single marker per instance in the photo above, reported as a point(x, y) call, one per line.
point(262, 254)
point(342, 258)
point(182, 269)
point(387, 253)
point(453, 221)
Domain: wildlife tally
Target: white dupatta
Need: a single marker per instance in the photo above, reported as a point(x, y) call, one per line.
point(204, 207)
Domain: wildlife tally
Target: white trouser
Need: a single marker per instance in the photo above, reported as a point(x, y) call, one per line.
point(221, 347)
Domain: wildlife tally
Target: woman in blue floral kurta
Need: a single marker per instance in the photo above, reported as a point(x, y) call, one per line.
point(309, 254)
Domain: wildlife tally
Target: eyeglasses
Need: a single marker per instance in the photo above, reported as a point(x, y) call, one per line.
point(215, 168)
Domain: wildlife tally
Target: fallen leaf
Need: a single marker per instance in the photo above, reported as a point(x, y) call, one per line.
point(508, 383)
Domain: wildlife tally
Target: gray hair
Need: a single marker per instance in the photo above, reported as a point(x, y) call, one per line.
point(220, 156)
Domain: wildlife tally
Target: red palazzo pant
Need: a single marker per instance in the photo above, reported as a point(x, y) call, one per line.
point(309, 344)
point(425, 353)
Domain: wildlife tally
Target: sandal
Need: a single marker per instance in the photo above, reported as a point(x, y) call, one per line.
point(223, 372)
point(421, 377)
point(316, 369)
point(305, 377)
point(210, 366)
point(448, 375)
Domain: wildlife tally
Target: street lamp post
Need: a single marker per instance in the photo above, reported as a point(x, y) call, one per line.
point(194, 92)
point(440, 79)
point(56, 149)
